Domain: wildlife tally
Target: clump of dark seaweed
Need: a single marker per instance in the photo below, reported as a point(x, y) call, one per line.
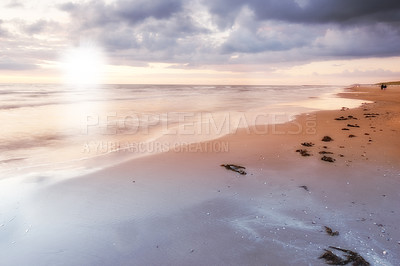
point(330, 232)
point(305, 188)
point(303, 152)
point(307, 144)
point(331, 258)
point(328, 159)
point(236, 168)
point(327, 139)
point(349, 257)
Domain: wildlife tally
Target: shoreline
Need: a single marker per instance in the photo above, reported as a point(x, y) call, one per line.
point(109, 152)
point(183, 208)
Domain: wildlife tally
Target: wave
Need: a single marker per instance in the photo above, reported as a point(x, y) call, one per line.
point(31, 142)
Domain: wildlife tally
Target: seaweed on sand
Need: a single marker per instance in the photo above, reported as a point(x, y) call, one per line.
point(330, 231)
point(304, 187)
point(355, 125)
point(236, 168)
point(327, 139)
point(303, 152)
point(325, 152)
point(327, 159)
point(349, 257)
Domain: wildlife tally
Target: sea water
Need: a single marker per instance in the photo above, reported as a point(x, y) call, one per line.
point(47, 127)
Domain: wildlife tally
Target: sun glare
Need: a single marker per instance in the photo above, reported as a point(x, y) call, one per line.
point(83, 66)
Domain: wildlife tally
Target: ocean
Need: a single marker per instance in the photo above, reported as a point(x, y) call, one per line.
point(60, 130)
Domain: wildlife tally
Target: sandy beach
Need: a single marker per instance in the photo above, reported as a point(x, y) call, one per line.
point(183, 208)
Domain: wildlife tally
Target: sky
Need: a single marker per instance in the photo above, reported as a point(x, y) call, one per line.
point(338, 42)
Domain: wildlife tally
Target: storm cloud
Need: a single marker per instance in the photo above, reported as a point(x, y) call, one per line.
point(173, 29)
point(208, 32)
point(311, 11)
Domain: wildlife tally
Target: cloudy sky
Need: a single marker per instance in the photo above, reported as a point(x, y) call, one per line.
point(201, 41)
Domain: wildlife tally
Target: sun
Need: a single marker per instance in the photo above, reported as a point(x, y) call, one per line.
point(83, 66)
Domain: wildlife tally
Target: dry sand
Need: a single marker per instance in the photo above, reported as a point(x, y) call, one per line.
point(183, 208)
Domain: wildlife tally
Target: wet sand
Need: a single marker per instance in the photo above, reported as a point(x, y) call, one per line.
point(183, 208)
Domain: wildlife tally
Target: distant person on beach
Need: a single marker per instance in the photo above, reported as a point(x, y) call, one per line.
point(383, 86)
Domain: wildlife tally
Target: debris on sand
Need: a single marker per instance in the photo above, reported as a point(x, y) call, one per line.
point(305, 188)
point(368, 115)
point(328, 159)
point(352, 136)
point(345, 128)
point(355, 125)
point(344, 109)
point(349, 257)
point(331, 258)
point(325, 152)
point(330, 232)
point(303, 152)
point(236, 168)
point(327, 139)
point(346, 118)
point(307, 144)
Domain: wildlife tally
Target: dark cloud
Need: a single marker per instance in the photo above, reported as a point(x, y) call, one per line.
point(159, 28)
point(379, 40)
point(167, 30)
point(41, 26)
point(137, 11)
point(322, 28)
point(207, 32)
point(310, 11)
point(97, 13)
